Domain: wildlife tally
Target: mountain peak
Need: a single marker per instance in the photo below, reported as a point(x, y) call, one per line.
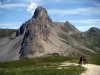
point(41, 14)
point(94, 30)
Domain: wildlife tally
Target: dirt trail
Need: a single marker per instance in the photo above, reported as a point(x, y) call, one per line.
point(91, 68)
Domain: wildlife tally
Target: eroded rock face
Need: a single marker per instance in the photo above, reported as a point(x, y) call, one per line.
point(36, 29)
point(41, 14)
point(21, 30)
point(41, 35)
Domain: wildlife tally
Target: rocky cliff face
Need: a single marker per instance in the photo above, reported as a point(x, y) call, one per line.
point(41, 14)
point(69, 28)
point(36, 29)
point(40, 36)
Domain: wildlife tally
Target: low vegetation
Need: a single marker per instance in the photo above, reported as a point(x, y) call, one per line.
point(45, 66)
point(6, 32)
point(95, 59)
point(40, 66)
point(85, 52)
point(44, 70)
point(88, 40)
point(39, 61)
point(91, 57)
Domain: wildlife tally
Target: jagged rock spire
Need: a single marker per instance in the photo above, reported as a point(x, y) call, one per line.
point(41, 14)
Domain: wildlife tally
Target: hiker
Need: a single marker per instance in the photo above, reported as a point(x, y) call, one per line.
point(84, 60)
point(81, 60)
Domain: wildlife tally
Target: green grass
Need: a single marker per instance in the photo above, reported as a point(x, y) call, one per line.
point(95, 59)
point(88, 40)
point(64, 36)
point(91, 57)
point(37, 61)
point(51, 70)
point(40, 66)
point(45, 66)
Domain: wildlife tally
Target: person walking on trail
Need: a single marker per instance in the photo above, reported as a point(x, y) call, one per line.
point(81, 60)
point(84, 60)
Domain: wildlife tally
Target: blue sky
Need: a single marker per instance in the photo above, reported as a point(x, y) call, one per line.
point(83, 14)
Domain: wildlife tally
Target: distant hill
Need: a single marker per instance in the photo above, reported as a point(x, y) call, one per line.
point(6, 32)
point(89, 39)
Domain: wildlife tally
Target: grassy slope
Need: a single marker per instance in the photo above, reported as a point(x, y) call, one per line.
point(88, 40)
point(94, 42)
point(52, 70)
point(40, 66)
point(95, 59)
point(39, 61)
point(69, 70)
point(80, 39)
point(85, 52)
point(44, 66)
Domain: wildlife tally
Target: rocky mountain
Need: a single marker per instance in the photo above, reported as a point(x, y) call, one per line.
point(40, 36)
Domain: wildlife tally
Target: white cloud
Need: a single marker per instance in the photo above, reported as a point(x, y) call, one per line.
point(97, 4)
point(85, 24)
point(88, 10)
point(14, 25)
point(55, 1)
point(63, 1)
point(17, 5)
point(86, 27)
point(32, 7)
point(87, 21)
point(37, 1)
